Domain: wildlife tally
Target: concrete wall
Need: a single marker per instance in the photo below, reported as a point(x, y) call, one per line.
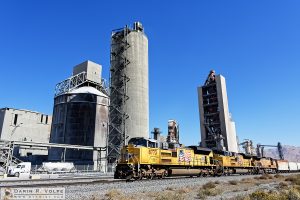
point(25, 125)
point(201, 117)
point(227, 126)
point(232, 138)
point(28, 126)
point(223, 108)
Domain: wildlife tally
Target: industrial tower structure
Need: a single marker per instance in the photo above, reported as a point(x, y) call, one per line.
point(217, 127)
point(129, 98)
point(80, 117)
point(173, 132)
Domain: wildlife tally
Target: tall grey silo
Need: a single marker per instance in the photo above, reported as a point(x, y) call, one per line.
point(129, 95)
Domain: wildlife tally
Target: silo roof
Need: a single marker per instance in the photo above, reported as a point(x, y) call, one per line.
point(87, 89)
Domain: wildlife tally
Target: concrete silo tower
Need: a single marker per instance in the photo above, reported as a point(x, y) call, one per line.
point(129, 98)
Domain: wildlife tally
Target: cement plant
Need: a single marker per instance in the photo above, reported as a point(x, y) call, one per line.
point(98, 143)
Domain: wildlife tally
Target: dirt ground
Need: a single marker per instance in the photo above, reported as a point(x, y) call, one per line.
point(265, 186)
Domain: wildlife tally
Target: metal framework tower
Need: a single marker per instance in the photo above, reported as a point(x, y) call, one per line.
point(211, 118)
point(118, 93)
point(217, 127)
point(260, 150)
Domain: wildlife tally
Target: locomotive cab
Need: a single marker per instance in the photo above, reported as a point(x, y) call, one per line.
point(140, 141)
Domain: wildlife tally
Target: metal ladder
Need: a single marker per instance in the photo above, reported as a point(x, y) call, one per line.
point(6, 155)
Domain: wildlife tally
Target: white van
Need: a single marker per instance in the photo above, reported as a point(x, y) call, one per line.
point(21, 168)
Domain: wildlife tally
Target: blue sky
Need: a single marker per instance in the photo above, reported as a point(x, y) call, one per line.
point(254, 44)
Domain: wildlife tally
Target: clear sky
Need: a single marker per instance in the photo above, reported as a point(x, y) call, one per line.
point(254, 44)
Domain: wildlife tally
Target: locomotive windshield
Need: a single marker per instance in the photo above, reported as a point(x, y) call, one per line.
point(142, 142)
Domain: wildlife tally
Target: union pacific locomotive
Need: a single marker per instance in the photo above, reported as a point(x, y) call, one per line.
point(144, 158)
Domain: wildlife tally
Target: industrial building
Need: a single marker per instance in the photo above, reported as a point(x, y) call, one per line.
point(80, 117)
point(27, 126)
point(129, 95)
point(173, 132)
point(217, 126)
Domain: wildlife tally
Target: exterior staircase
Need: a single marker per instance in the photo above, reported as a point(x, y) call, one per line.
point(6, 155)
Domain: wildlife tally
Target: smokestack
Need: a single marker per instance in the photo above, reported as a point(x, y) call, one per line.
point(156, 134)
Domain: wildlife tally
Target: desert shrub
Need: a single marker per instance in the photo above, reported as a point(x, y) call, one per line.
point(233, 182)
point(262, 195)
point(297, 187)
point(278, 176)
point(293, 194)
point(240, 197)
point(184, 190)
point(169, 196)
point(283, 185)
point(209, 185)
point(263, 177)
point(113, 194)
point(208, 189)
point(266, 176)
point(270, 176)
point(204, 193)
point(295, 180)
point(291, 179)
point(95, 197)
point(247, 180)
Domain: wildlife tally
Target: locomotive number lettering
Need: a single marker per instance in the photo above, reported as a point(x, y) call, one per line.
point(152, 151)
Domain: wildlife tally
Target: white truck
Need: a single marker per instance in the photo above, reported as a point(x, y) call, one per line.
point(21, 168)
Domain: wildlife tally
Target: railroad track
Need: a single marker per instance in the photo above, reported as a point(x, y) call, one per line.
point(93, 180)
point(51, 182)
point(84, 180)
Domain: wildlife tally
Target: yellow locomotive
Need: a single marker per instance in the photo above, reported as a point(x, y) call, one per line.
point(143, 158)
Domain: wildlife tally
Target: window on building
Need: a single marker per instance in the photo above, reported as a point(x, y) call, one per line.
point(46, 119)
point(42, 116)
point(16, 119)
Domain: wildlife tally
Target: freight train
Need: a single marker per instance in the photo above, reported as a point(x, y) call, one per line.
point(146, 158)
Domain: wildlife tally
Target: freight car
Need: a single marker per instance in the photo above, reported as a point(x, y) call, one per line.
point(146, 158)
point(293, 167)
point(284, 166)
